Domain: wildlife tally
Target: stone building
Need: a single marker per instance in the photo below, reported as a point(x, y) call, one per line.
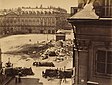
point(93, 43)
point(32, 20)
point(103, 8)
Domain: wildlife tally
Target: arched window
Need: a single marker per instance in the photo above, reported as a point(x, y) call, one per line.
point(45, 12)
point(42, 12)
point(49, 12)
point(38, 12)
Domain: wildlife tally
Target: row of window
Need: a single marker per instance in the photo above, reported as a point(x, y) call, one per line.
point(28, 20)
point(16, 19)
point(103, 2)
point(36, 12)
point(107, 11)
point(28, 24)
point(103, 9)
point(107, 2)
point(27, 29)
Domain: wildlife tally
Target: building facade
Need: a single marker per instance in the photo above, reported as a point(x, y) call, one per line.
point(103, 8)
point(93, 43)
point(32, 20)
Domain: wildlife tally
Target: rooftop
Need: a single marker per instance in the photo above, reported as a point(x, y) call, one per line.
point(86, 13)
point(32, 10)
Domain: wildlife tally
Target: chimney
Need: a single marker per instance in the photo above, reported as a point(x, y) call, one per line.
point(74, 10)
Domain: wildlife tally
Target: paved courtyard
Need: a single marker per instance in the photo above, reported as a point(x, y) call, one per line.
point(36, 79)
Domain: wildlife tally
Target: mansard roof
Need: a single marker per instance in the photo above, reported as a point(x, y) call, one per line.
point(34, 11)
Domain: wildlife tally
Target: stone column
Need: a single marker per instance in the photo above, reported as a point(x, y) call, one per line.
point(83, 60)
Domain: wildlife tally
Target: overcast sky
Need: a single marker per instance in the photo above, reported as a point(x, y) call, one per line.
point(66, 4)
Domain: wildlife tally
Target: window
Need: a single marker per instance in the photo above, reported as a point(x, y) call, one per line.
point(41, 31)
point(104, 62)
point(53, 31)
point(49, 31)
point(33, 20)
point(108, 8)
point(103, 8)
point(108, 2)
point(41, 23)
point(22, 20)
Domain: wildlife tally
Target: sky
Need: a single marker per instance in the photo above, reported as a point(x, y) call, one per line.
point(66, 4)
